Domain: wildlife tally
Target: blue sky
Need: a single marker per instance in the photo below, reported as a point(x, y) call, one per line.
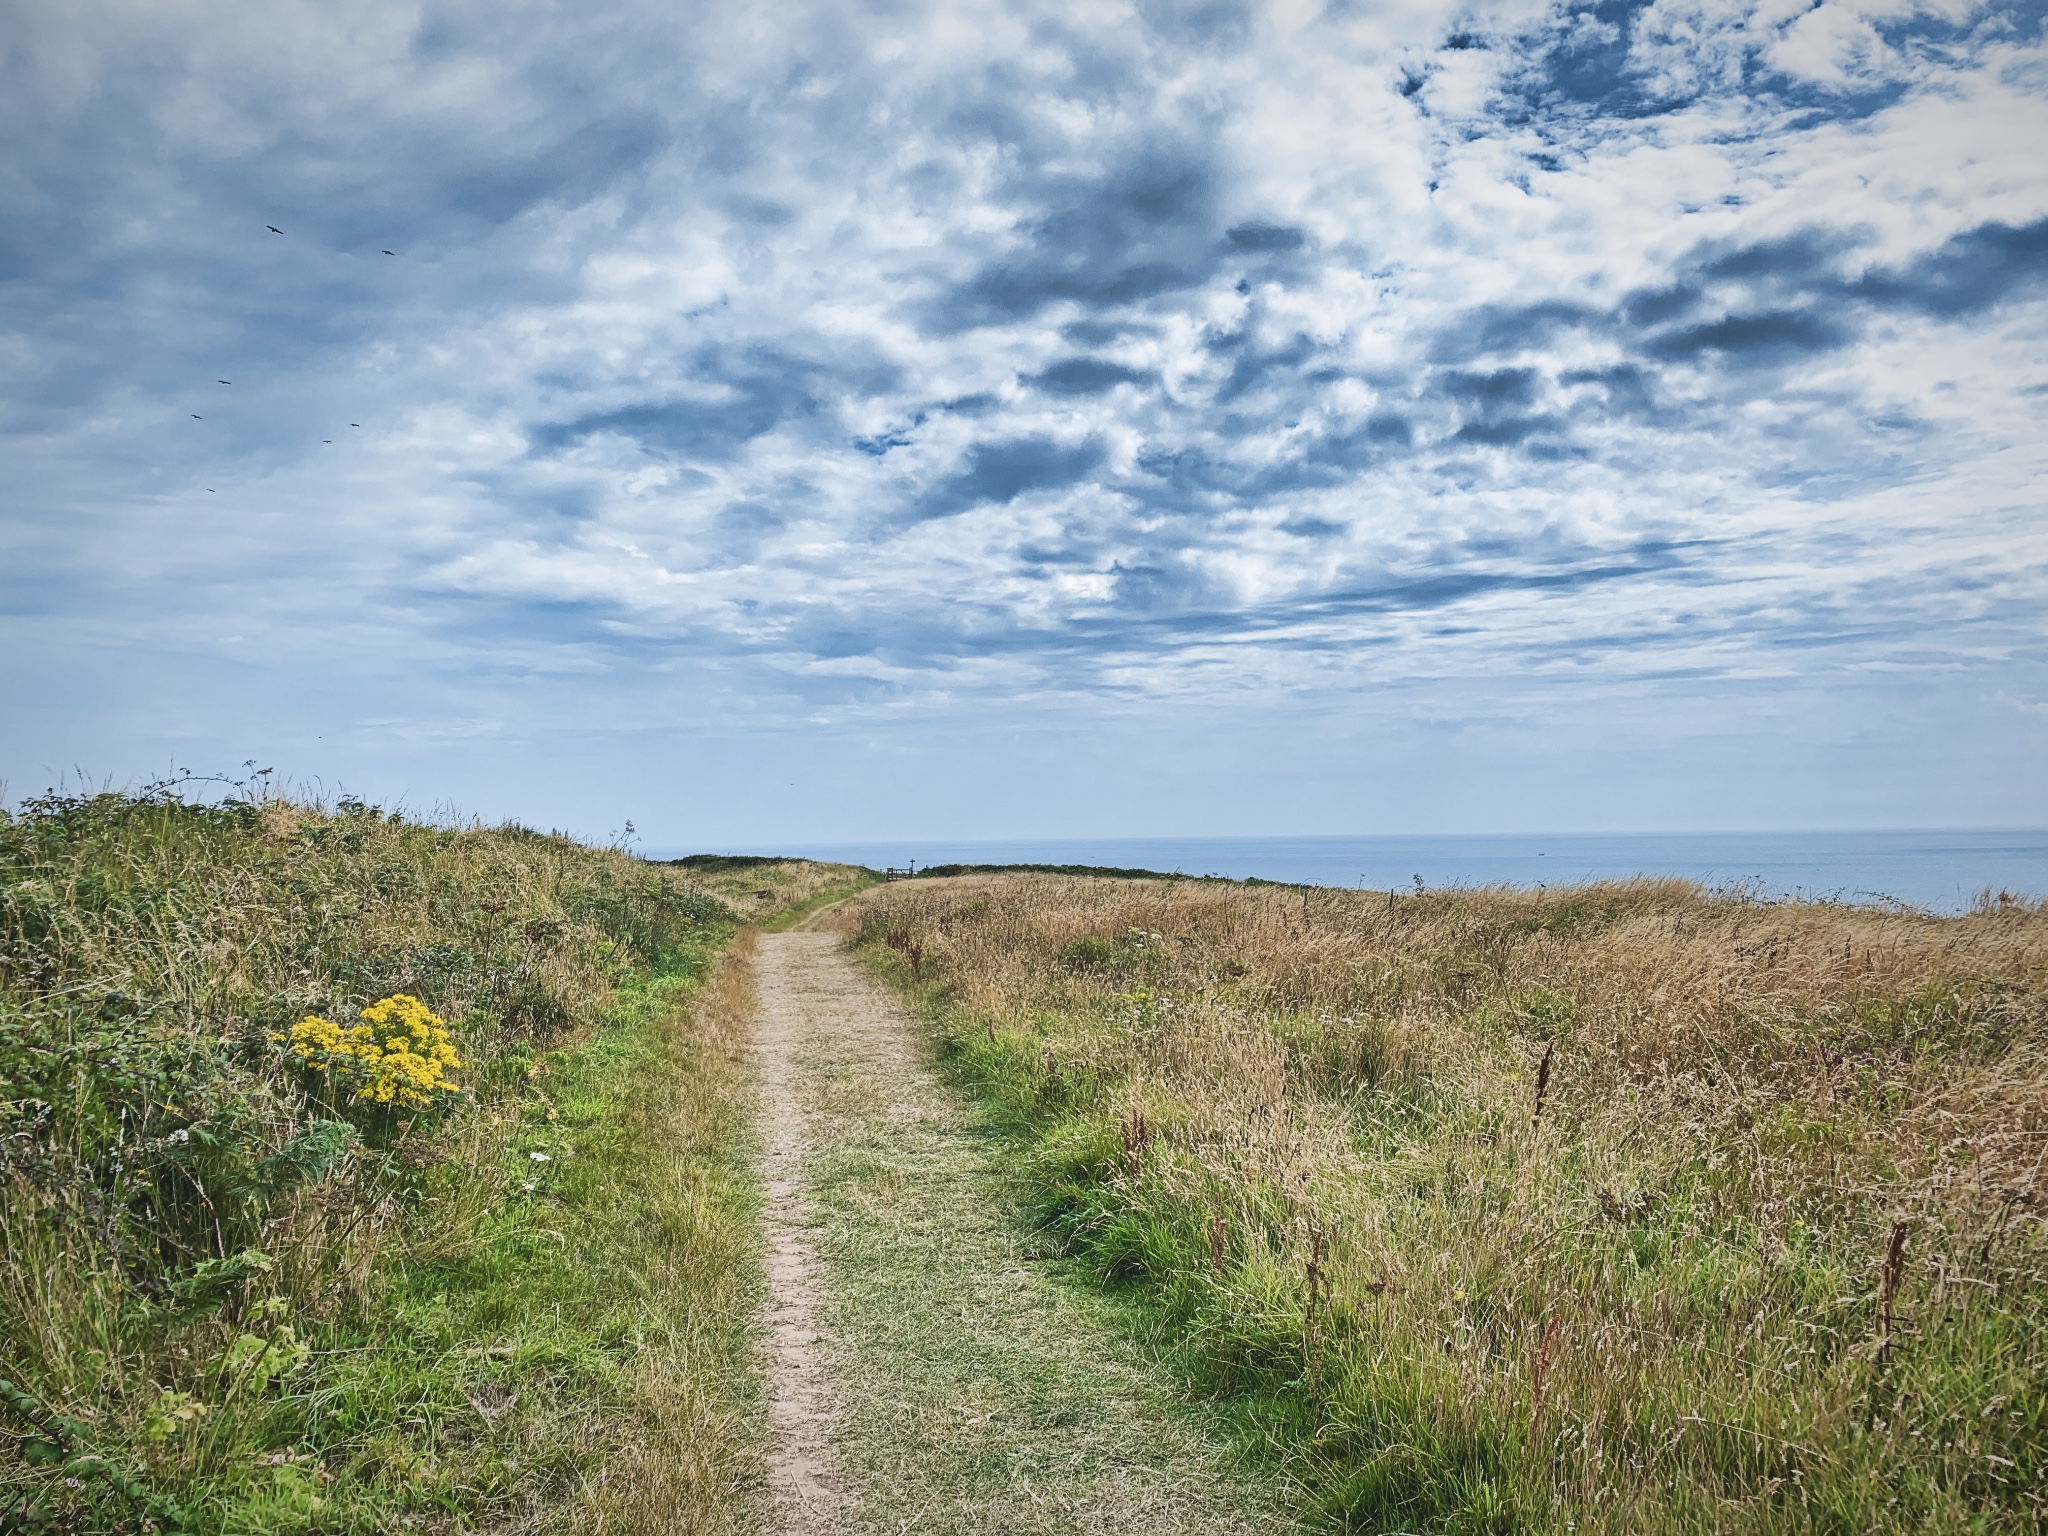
point(784, 422)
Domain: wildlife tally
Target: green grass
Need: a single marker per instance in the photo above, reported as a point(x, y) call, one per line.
point(578, 1354)
point(235, 1298)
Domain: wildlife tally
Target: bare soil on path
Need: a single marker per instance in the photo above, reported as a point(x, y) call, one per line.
point(925, 1375)
point(809, 1498)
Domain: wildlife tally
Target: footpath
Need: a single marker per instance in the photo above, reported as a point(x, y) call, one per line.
point(924, 1374)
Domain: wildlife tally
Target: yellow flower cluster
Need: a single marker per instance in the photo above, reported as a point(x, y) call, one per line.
point(401, 1053)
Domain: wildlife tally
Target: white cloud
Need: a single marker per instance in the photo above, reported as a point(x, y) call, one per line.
point(1031, 349)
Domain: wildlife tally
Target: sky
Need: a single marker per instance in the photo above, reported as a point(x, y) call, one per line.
point(780, 422)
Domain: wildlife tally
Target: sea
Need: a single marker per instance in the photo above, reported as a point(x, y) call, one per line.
point(1942, 871)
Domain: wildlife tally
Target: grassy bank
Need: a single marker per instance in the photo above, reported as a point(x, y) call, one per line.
point(1619, 1209)
point(262, 1276)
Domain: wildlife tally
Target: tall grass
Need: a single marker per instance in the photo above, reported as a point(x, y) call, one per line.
point(235, 1297)
point(1623, 1208)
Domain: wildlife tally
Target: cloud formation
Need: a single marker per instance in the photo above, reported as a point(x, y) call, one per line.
point(886, 361)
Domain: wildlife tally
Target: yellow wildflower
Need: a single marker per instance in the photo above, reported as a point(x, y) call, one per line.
point(401, 1053)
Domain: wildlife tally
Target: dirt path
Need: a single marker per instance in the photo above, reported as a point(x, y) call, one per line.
point(808, 1494)
point(925, 1375)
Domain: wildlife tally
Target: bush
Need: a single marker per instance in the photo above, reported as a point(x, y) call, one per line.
point(399, 1055)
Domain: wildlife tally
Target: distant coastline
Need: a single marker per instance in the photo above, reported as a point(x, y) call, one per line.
point(1942, 870)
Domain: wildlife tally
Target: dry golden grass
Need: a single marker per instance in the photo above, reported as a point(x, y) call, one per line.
point(1621, 1207)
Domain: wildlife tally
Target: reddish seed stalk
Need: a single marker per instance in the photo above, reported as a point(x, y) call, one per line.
point(1318, 1298)
point(1137, 1137)
point(1890, 1275)
point(1542, 1377)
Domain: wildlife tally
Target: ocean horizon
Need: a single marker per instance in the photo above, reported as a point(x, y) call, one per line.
point(1941, 870)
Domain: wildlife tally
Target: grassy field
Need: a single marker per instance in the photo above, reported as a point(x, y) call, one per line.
point(361, 1175)
point(1623, 1208)
point(261, 1276)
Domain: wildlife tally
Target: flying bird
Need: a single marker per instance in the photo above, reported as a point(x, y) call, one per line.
point(355, 423)
point(326, 439)
point(223, 381)
point(197, 417)
point(390, 253)
point(273, 229)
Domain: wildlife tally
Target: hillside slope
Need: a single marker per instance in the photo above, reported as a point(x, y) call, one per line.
point(356, 1173)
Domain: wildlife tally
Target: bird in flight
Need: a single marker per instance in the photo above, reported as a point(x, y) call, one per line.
point(389, 253)
point(355, 423)
point(273, 229)
point(197, 417)
point(326, 439)
point(223, 381)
